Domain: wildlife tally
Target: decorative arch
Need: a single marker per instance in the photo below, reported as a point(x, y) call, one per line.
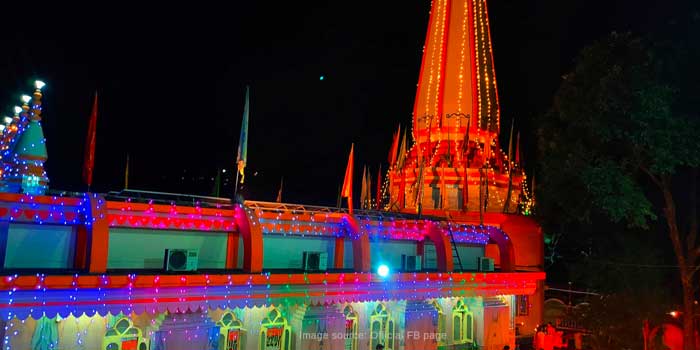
point(275, 332)
point(440, 321)
point(360, 245)
point(351, 328)
point(251, 232)
point(231, 332)
point(505, 249)
point(443, 246)
point(124, 336)
point(462, 323)
point(382, 328)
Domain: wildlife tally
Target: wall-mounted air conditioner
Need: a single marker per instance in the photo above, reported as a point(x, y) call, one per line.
point(181, 259)
point(315, 261)
point(484, 263)
point(410, 262)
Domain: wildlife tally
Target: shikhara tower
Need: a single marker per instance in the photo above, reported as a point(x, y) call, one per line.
point(456, 121)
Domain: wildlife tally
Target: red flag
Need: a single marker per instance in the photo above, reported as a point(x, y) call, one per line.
point(89, 162)
point(346, 192)
point(394, 147)
point(379, 188)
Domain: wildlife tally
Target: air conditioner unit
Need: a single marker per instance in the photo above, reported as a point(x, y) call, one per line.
point(181, 259)
point(484, 263)
point(410, 262)
point(315, 261)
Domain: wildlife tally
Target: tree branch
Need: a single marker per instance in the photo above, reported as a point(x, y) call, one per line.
point(693, 251)
point(653, 177)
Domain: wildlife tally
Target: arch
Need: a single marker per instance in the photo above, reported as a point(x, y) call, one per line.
point(231, 332)
point(462, 323)
point(351, 328)
point(275, 332)
point(251, 232)
point(123, 335)
point(440, 321)
point(360, 244)
point(505, 248)
point(436, 234)
point(382, 328)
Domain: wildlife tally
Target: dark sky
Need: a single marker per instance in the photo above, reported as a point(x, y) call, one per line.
point(171, 81)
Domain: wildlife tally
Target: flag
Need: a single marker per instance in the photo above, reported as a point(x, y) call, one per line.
point(369, 189)
point(394, 147)
point(126, 173)
point(89, 162)
point(363, 189)
point(379, 188)
point(509, 162)
point(510, 143)
point(243, 140)
point(347, 181)
point(216, 191)
point(402, 153)
point(279, 193)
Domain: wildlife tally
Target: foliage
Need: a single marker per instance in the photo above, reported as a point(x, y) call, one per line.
point(620, 145)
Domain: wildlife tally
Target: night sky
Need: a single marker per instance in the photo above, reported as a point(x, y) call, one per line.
point(171, 81)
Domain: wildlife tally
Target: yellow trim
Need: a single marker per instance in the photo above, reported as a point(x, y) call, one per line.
point(275, 319)
point(383, 318)
point(351, 315)
point(466, 323)
point(129, 333)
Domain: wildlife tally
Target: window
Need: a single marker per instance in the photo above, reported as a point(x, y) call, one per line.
point(275, 333)
point(462, 323)
point(382, 327)
point(440, 322)
point(124, 336)
point(230, 332)
point(350, 328)
point(522, 305)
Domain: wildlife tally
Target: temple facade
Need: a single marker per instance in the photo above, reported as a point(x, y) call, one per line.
point(449, 261)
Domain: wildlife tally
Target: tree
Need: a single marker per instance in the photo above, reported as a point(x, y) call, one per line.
point(623, 139)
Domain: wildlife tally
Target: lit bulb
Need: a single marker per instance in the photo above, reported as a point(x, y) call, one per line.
point(2, 127)
point(7, 120)
point(18, 109)
point(39, 84)
point(26, 98)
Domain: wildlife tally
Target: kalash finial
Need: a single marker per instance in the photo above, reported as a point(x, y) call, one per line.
point(36, 102)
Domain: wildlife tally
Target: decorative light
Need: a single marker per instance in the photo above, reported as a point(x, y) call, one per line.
point(7, 120)
point(383, 270)
point(39, 84)
point(2, 127)
point(18, 109)
point(26, 98)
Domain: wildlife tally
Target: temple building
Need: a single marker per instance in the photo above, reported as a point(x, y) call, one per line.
point(450, 260)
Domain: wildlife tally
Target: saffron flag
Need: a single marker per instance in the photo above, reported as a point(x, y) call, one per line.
point(126, 173)
point(346, 192)
point(394, 147)
point(243, 140)
point(402, 153)
point(89, 162)
point(279, 193)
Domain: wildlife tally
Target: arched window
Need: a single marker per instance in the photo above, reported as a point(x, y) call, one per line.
point(382, 328)
point(275, 333)
point(440, 322)
point(350, 328)
point(462, 323)
point(231, 332)
point(124, 336)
